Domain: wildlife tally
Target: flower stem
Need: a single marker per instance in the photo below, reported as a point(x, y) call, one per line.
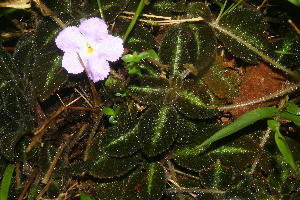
point(134, 19)
point(100, 10)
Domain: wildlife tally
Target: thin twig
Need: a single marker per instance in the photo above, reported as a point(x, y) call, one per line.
point(195, 190)
point(44, 189)
point(53, 163)
point(29, 182)
point(277, 94)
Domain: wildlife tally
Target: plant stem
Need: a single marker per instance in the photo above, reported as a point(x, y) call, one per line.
point(134, 19)
point(100, 10)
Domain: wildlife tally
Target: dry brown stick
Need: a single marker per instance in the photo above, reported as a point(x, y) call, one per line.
point(294, 26)
point(53, 163)
point(44, 190)
point(30, 180)
point(41, 130)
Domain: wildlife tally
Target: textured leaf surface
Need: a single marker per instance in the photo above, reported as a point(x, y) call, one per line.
point(221, 80)
point(153, 185)
point(199, 9)
point(243, 25)
point(187, 44)
point(47, 70)
point(149, 90)
point(120, 140)
point(14, 108)
point(105, 166)
point(239, 193)
point(287, 50)
point(238, 154)
point(217, 177)
point(158, 129)
point(192, 100)
point(112, 8)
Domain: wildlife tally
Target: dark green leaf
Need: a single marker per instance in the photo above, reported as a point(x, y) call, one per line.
point(199, 9)
point(238, 154)
point(120, 140)
point(110, 190)
point(104, 166)
point(217, 177)
point(161, 7)
point(239, 193)
point(149, 90)
point(23, 55)
point(242, 122)
point(158, 129)
point(287, 50)
point(192, 100)
point(14, 107)
point(140, 38)
point(192, 44)
point(154, 183)
point(5, 184)
point(221, 80)
point(195, 130)
point(281, 178)
point(241, 27)
point(47, 70)
point(62, 6)
point(112, 8)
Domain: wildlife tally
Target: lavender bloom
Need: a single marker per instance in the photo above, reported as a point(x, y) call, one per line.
point(94, 45)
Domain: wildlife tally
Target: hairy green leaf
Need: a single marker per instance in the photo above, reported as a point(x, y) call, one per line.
point(199, 9)
point(47, 71)
point(103, 166)
point(238, 154)
point(192, 44)
point(192, 99)
point(217, 177)
point(239, 193)
point(149, 90)
point(153, 185)
point(240, 29)
point(120, 140)
point(15, 108)
point(158, 129)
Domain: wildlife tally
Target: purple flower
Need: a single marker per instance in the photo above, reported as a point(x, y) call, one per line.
point(94, 45)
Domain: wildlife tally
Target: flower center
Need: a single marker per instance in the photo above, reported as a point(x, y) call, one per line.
point(90, 50)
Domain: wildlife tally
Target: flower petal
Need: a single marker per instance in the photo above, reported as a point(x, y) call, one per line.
point(111, 48)
point(70, 39)
point(71, 63)
point(98, 68)
point(94, 28)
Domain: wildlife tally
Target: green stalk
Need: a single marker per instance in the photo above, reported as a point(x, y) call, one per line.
point(6, 181)
point(100, 10)
point(135, 17)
